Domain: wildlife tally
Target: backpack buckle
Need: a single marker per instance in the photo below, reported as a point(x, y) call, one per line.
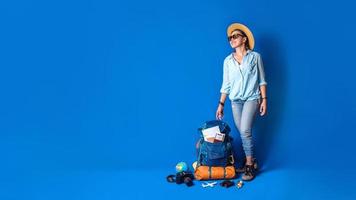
point(232, 160)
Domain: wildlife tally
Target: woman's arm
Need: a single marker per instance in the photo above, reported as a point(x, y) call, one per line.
point(263, 86)
point(263, 105)
point(263, 91)
point(225, 90)
point(220, 110)
point(223, 98)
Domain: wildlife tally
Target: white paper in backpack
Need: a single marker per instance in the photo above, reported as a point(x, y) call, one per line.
point(210, 133)
point(220, 137)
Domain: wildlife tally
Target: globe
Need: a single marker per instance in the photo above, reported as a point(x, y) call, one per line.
point(181, 166)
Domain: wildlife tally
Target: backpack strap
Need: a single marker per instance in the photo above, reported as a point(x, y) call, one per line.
point(199, 160)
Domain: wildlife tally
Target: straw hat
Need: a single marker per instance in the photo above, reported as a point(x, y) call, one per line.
point(243, 28)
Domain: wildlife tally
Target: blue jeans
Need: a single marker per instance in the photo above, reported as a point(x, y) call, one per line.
point(244, 113)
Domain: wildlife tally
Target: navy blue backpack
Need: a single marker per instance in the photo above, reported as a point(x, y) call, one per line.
point(219, 154)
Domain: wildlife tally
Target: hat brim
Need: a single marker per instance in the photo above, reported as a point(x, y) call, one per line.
point(234, 26)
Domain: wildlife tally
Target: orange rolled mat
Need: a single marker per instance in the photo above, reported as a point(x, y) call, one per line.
point(206, 172)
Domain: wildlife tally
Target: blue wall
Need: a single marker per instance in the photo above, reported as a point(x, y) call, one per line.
point(123, 85)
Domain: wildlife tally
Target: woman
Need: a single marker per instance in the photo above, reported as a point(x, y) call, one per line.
point(244, 83)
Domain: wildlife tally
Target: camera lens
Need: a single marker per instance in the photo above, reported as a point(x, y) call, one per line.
point(188, 181)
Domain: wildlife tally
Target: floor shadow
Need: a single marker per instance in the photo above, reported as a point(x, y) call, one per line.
point(267, 127)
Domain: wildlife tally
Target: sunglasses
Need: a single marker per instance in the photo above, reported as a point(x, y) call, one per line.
point(234, 36)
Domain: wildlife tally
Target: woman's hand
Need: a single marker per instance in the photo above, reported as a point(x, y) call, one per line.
point(220, 112)
point(263, 107)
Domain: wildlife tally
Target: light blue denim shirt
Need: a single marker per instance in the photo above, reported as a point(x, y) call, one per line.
point(242, 81)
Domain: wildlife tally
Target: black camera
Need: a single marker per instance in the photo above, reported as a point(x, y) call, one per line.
point(185, 177)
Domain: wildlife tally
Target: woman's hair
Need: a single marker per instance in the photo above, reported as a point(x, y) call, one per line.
point(247, 44)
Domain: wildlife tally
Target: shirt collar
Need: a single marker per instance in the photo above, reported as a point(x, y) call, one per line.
point(232, 54)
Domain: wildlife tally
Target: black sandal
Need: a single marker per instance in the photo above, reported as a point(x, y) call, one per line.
point(250, 173)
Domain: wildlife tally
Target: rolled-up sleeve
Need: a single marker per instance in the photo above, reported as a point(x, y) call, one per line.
point(261, 71)
point(225, 87)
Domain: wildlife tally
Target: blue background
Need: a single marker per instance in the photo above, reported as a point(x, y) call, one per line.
point(100, 99)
